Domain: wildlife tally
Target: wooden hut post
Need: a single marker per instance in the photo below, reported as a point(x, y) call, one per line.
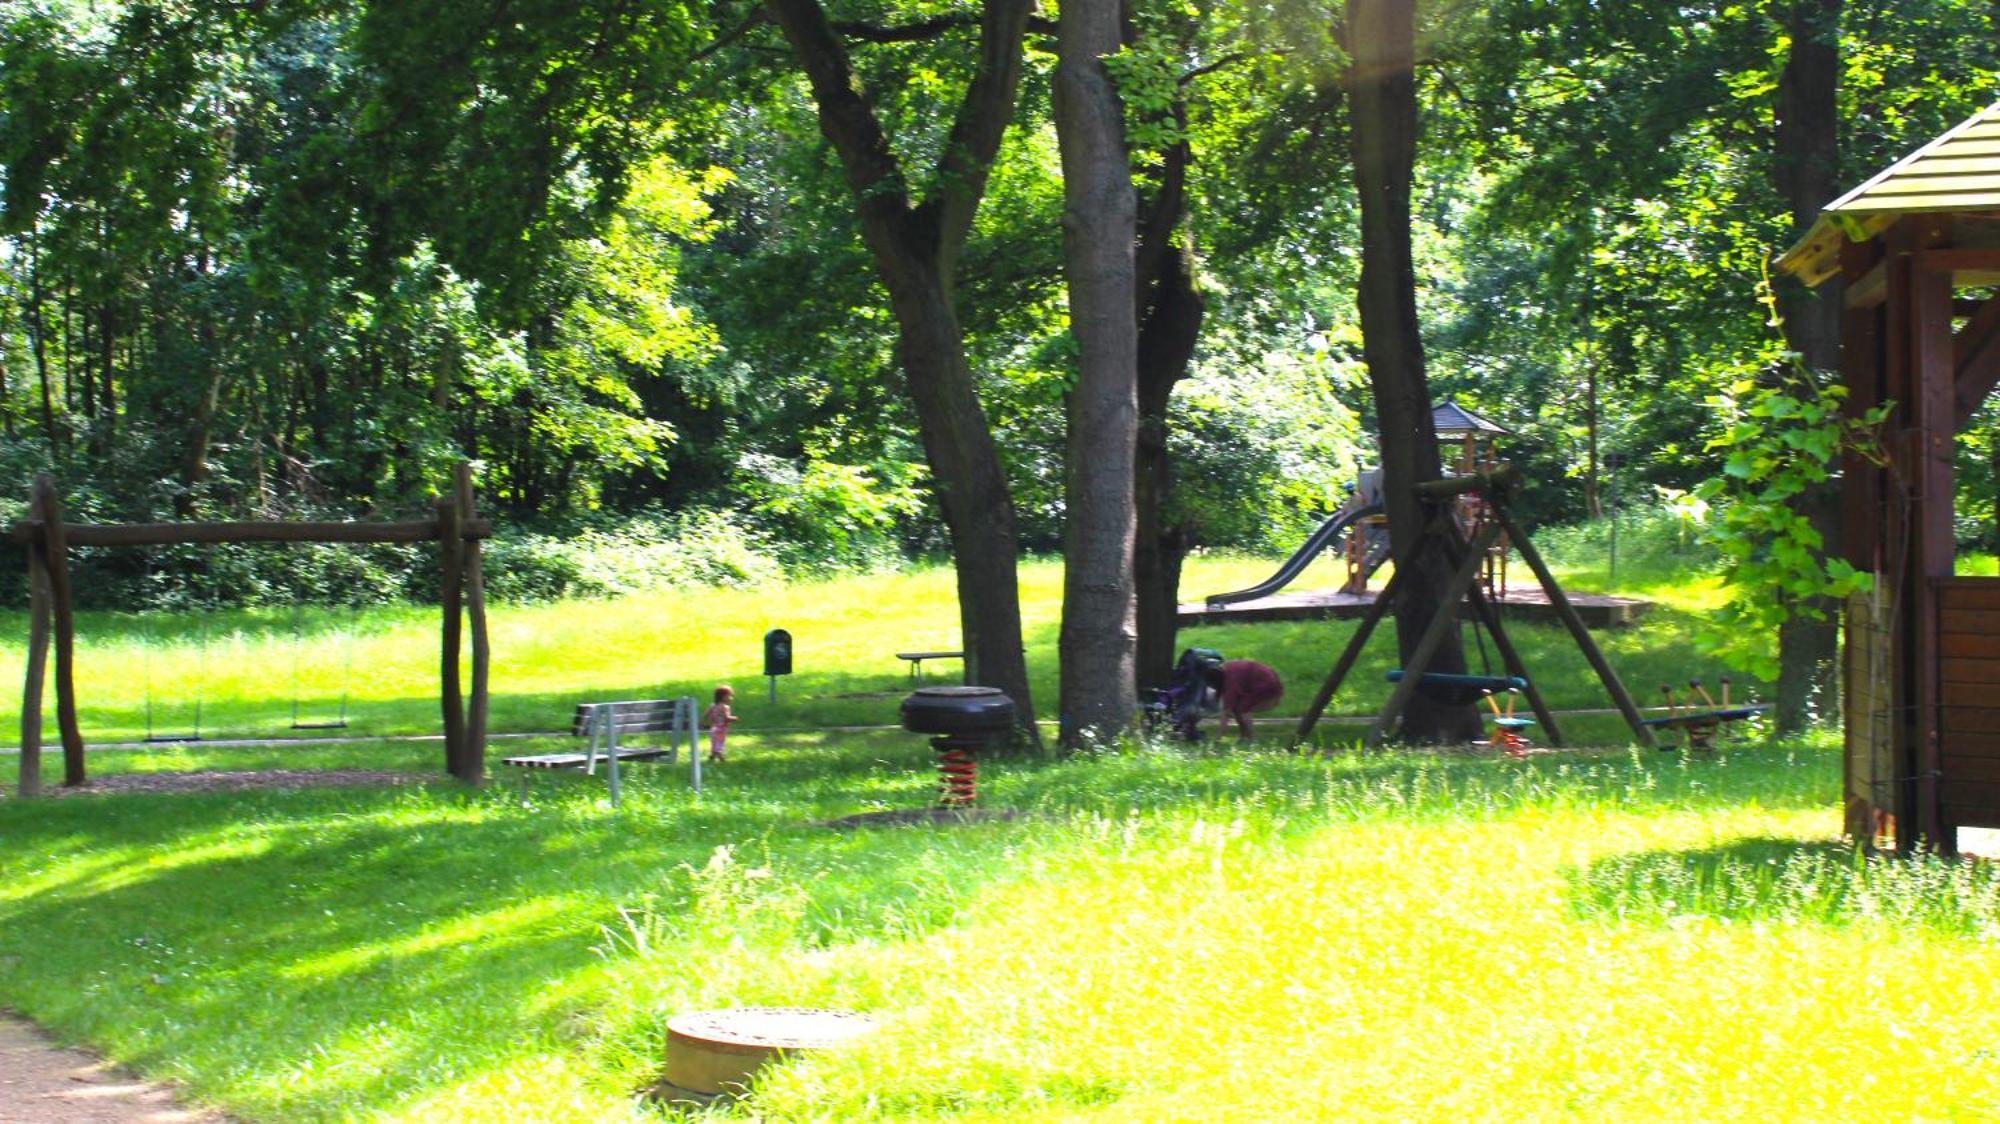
point(1931, 368)
point(38, 670)
point(475, 610)
point(55, 547)
point(451, 543)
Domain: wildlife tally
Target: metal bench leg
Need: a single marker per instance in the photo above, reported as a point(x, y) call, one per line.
point(611, 754)
point(684, 712)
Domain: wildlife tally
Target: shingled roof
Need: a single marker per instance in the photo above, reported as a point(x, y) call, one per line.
point(1959, 171)
point(1448, 418)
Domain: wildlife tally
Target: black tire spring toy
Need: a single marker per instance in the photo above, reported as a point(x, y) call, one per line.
point(964, 721)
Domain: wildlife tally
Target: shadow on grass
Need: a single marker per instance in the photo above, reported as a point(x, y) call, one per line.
point(1828, 882)
point(320, 954)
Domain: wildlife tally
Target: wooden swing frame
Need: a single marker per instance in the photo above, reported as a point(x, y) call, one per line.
point(455, 526)
point(1442, 533)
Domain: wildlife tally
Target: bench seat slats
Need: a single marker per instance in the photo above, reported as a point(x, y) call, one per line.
point(578, 760)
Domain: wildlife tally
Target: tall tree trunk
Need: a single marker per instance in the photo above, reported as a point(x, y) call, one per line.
point(1100, 221)
point(1807, 173)
point(201, 426)
point(38, 340)
point(971, 482)
point(1169, 329)
point(915, 247)
point(1380, 36)
point(1170, 307)
point(6, 389)
point(107, 334)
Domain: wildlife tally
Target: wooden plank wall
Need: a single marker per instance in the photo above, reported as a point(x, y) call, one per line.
point(1969, 690)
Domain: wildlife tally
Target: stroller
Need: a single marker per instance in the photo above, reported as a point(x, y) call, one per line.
point(1187, 697)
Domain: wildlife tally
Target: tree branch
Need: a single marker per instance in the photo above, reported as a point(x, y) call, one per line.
point(1226, 61)
point(924, 30)
point(846, 119)
point(757, 16)
point(982, 119)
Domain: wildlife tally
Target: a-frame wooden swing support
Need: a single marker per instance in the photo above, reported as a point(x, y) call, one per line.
point(1442, 533)
point(455, 526)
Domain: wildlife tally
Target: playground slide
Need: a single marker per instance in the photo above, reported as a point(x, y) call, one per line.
point(1327, 535)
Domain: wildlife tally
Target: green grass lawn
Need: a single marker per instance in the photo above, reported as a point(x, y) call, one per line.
point(246, 668)
point(1610, 935)
point(1169, 934)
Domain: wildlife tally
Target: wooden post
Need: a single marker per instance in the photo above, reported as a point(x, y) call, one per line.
point(1567, 613)
point(451, 553)
point(1935, 422)
point(1347, 657)
point(48, 506)
point(1433, 637)
point(38, 670)
point(475, 608)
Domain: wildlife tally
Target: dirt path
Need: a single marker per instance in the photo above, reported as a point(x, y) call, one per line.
point(43, 1083)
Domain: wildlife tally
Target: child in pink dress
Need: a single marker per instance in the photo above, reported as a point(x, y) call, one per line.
point(718, 718)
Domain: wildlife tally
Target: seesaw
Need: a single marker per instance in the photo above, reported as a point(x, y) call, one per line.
point(1699, 726)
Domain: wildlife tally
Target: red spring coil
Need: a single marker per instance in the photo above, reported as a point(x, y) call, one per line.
point(958, 775)
point(1509, 741)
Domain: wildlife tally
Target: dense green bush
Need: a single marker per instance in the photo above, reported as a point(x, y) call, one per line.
point(696, 548)
point(648, 551)
point(1652, 543)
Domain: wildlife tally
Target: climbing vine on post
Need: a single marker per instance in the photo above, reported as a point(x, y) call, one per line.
point(1784, 434)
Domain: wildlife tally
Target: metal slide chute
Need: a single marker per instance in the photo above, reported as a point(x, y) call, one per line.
point(1328, 534)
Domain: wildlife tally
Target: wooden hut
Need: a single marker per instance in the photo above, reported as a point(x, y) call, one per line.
point(1918, 250)
point(1473, 433)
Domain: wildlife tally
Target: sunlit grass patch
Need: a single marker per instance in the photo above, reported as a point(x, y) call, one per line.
point(1167, 933)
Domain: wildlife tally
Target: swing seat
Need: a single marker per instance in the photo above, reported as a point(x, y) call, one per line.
point(1481, 682)
point(1512, 723)
point(1461, 688)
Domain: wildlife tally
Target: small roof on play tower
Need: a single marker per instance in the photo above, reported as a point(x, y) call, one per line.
point(1449, 419)
point(1958, 173)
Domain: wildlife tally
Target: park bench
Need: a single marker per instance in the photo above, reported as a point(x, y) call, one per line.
point(917, 659)
point(604, 723)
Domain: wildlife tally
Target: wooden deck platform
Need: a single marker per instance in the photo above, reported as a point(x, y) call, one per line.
point(1530, 603)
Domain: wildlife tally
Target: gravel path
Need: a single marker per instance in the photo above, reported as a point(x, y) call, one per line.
point(43, 1083)
point(240, 781)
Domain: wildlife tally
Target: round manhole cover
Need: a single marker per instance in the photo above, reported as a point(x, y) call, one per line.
point(719, 1051)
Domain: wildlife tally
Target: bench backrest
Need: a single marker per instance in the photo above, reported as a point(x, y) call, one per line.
point(653, 716)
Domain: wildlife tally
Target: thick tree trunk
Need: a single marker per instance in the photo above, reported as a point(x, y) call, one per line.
point(1100, 221)
point(915, 247)
point(971, 483)
point(1807, 174)
point(1168, 331)
point(1170, 308)
point(1382, 100)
